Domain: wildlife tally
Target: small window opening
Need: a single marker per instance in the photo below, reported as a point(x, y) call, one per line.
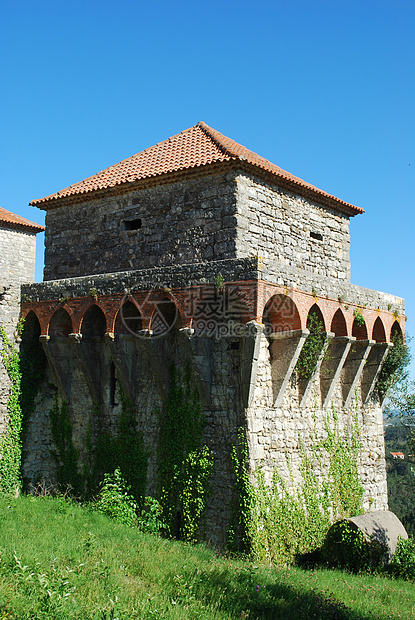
point(317, 236)
point(132, 224)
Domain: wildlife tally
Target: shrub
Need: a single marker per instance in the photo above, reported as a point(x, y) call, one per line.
point(346, 547)
point(150, 519)
point(403, 562)
point(114, 499)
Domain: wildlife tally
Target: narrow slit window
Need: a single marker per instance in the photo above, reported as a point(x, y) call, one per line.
point(132, 224)
point(316, 235)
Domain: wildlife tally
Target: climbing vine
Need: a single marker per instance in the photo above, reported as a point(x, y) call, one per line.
point(312, 347)
point(394, 369)
point(66, 456)
point(125, 451)
point(10, 441)
point(277, 524)
point(184, 464)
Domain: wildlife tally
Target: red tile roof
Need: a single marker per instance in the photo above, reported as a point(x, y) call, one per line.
point(15, 221)
point(191, 149)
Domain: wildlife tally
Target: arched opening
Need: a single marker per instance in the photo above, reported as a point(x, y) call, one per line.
point(94, 324)
point(315, 320)
point(165, 318)
point(128, 319)
point(359, 330)
point(378, 333)
point(32, 365)
point(312, 348)
point(280, 315)
point(31, 329)
point(60, 323)
point(396, 331)
point(338, 324)
point(220, 314)
point(396, 361)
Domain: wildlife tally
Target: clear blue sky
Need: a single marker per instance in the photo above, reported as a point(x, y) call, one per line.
point(324, 89)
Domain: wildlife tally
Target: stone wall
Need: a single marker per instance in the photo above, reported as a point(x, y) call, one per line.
point(278, 434)
point(178, 223)
point(298, 234)
point(212, 218)
point(17, 265)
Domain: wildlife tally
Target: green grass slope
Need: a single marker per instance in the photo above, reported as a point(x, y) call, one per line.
point(61, 561)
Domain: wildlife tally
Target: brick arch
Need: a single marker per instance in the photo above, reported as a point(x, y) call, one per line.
point(316, 312)
point(359, 331)
point(32, 326)
point(378, 332)
point(42, 320)
point(165, 317)
point(338, 324)
point(147, 303)
point(128, 319)
point(60, 323)
point(281, 314)
point(94, 322)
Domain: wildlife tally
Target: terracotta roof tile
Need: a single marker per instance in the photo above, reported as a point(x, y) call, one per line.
point(192, 148)
point(15, 221)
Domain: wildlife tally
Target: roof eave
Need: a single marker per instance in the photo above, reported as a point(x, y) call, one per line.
point(56, 201)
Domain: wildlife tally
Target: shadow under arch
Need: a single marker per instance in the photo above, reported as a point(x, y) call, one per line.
point(94, 324)
point(359, 331)
point(315, 320)
point(60, 323)
point(378, 332)
point(33, 363)
point(338, 324)
point(220, 314)
point(31, 328)
point(165, 318)
point(396, 331)
point(128, 319)
point(280, 315)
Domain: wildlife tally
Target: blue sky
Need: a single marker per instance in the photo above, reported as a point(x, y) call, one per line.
point(324, 89)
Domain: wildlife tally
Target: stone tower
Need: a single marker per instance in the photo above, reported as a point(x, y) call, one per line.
point(17, 266)
point(198, 250)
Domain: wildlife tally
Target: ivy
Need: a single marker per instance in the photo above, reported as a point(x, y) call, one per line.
point(312, 348)
point(184, 464)
point(125, 451)
point(10, 441)
point(359, 318)
point(66, 456)
point(276, 524)
point(394, 369)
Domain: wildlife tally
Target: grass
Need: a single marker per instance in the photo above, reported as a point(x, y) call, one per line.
point(60, 561)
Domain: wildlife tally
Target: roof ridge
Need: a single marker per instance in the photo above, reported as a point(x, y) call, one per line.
point(213, 134)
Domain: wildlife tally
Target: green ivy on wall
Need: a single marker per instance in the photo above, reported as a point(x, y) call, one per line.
point(312, 348)
point(184, 464)
point(10, 441)
point(277, 524)
point(66, 456)
point(125, 451)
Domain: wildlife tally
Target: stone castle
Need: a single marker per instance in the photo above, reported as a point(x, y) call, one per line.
point(199, 251)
